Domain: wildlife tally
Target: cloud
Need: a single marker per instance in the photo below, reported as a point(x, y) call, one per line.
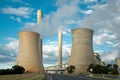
point(103, 18)
point(59, 19)
point(51, 49)
point(20, 1)
point(90, 1)
point(87, 12)
point(8, 53)
point(20, 11)
point(103, 38)
point(105, 22)
point(109, 57)
point(6, 59)
point(18, 19)
point(13, 43)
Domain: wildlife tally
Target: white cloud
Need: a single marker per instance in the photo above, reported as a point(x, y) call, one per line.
point(87, 12)
point(104, 20)
point(20, 1)
point(59, 19)
point(50, 52)
point(18, 19)
point(90, 0)
point(20, 11)
point(16, 0)
point(109, 57)
point(8, 53)
point(103, 38)
point(13, 44)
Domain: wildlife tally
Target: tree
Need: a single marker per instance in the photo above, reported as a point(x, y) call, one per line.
point(90, 68)
point(99, 69)
point(2, 71)
point(109, 67)
point(70, 69)
point(18, 69)
point(115, 69)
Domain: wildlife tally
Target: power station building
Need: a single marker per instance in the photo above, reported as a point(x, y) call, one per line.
point(82, 49)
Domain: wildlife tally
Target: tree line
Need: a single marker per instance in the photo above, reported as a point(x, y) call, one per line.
point(106, 69)
point(16, 69)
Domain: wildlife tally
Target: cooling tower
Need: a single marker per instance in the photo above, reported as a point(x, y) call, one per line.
point(29, 55)
point(82, 50)
point(59, 49)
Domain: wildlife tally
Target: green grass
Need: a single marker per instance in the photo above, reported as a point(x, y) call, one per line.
point(27, 76)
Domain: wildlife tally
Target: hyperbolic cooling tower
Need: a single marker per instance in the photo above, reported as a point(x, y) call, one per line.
point(82, 50)
point(29, 52)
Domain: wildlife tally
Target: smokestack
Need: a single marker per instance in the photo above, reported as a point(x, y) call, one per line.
point(39, 16)
point(59, 49)
point(82, 49)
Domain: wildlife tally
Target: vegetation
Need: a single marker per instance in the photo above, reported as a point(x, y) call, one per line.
point(70, 69)
point(99, 69)
point(14, 70)
point(26, 76)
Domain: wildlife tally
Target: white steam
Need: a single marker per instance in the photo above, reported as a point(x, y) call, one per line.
point(104, 19)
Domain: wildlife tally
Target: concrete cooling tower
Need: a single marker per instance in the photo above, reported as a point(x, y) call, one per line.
point(29, 55)
point(82, 50)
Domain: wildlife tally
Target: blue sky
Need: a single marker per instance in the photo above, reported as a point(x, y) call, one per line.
point(100, 15)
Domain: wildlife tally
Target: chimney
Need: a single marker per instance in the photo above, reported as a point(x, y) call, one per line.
point(59, 49)
point(39, 16)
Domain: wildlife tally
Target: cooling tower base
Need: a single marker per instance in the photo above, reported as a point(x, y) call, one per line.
point(81, 69)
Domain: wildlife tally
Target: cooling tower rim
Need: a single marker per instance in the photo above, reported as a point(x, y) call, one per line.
point(29, 32)
point(82, 29)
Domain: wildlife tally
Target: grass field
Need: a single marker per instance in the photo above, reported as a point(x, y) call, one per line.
point(26, 76)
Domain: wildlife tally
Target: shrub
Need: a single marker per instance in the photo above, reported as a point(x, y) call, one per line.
point(90, 68)
point(2, 71)
point(14, 70)
point(70, 69)
point(18, 69)
point(99, 69)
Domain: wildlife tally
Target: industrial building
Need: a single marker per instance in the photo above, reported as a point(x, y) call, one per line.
point(82, 49)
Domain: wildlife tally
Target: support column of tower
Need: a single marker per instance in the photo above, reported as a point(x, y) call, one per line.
point(59, 49)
